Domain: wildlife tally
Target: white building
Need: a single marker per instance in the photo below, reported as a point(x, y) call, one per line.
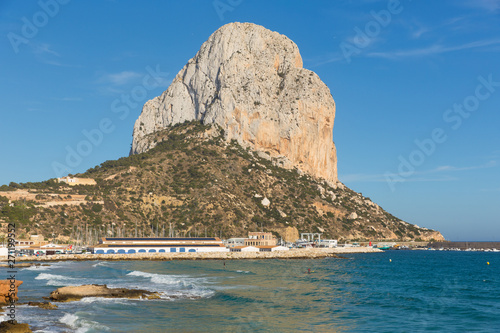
point(4, 252)
point(159, 245)
point(232, 242)
point(328, 243)
point(250, 249)
point(280, 248)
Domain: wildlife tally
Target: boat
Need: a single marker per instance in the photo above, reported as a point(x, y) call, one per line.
point(386, 246)
point(303, 243)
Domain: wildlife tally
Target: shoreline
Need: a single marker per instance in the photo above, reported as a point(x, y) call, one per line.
point(291, 254)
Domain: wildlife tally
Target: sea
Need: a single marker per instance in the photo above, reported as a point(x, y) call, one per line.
point(394, 291)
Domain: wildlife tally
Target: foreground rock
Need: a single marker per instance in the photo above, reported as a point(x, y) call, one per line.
point(14, 327)
point(68, 294)
point(250, 81)
point(6, 291)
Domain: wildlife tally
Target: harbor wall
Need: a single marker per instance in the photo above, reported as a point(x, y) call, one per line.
point(465, 245)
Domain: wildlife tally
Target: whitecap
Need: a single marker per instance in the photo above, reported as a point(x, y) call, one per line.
point(37, 268)
point(81, 325)
point(174, 286)
point(100, 263)
point(69, 320)
point(104, 300)
point(57, 280)
point(160, 278)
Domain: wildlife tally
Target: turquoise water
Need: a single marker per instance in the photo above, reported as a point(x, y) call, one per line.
point(395, 291)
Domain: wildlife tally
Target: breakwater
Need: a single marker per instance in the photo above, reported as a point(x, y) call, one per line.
point(466, 245)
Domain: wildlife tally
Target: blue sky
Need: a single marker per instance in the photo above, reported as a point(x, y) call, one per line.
point(416, 84)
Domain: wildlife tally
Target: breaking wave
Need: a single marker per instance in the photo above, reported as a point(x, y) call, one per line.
point(58, 280)
point(81, 325)
point(175, 286)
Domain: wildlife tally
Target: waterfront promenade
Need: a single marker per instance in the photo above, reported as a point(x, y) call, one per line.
point(312, 253)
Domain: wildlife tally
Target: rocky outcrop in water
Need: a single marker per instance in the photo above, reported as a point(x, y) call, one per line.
point(43, 305)
point(68, 294)
point(250, 81)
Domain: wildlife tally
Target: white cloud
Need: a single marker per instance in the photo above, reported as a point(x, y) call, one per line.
point(432, 50)
point(120, 78)
point(375, 178)
point(416, 28)
point(494, 155)
point(439, 174)
point(319, 61)
point(44, 48)
point(56, 63)
point(444, 168)
point(454, 20)
point(69, 99)
point(45, 54)
point(362, 177)
point(121, 82)
point(419, 32)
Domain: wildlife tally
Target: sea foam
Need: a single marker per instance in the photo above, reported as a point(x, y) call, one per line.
point(160, 278)
point(100, 263)
point(81, 325)
point(37, 268)
point(175, 286)
point(104, 300)
point(58, 280)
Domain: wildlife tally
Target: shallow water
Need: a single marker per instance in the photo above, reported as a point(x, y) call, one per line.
point(395, 291)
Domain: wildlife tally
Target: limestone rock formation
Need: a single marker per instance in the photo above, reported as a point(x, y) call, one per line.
point(6, 293)
point(75, 293)
point(250, 82)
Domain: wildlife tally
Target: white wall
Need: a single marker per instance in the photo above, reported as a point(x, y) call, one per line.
point(167, 250)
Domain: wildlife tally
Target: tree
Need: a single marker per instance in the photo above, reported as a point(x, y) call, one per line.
point(96, 208)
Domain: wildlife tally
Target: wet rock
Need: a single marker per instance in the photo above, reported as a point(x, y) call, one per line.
point(68, 294)
point(14, 327)
point(43, 305)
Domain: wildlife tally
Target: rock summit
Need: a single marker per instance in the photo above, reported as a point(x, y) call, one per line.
point(250, 81)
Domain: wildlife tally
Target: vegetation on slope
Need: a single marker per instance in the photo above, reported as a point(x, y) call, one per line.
point(194, 183)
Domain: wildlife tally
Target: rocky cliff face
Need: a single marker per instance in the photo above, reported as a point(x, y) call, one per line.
point(250, 82)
